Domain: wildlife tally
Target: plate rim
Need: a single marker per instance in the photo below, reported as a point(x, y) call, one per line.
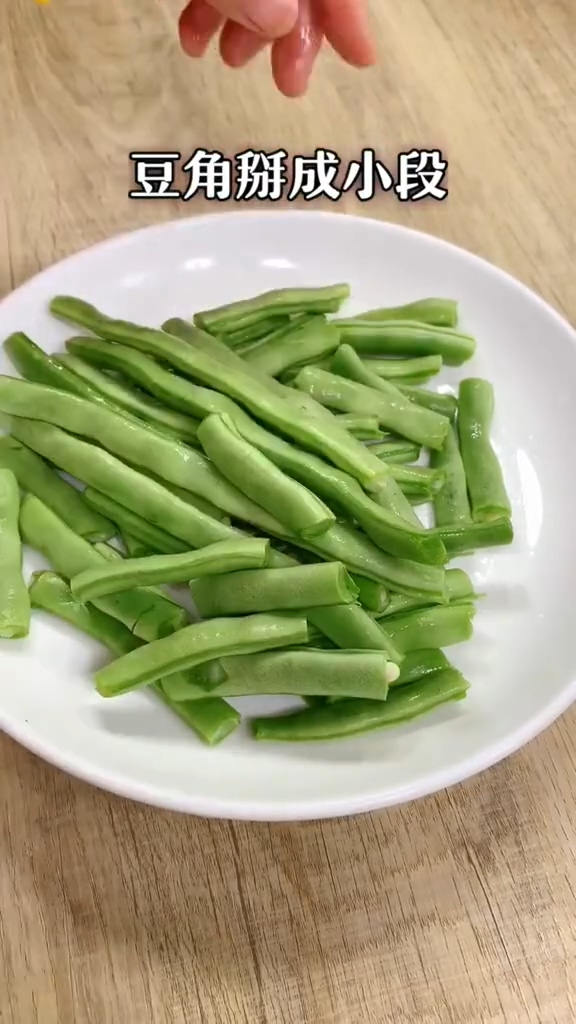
point(327, 808)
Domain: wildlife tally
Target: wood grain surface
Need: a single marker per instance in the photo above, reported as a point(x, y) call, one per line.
point(457, 909)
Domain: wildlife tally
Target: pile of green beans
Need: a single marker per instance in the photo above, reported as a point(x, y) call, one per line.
point(263, 456)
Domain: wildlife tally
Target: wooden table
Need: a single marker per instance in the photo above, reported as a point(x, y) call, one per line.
point(459, 908)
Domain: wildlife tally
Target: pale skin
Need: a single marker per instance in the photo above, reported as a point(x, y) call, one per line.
point(294, 30)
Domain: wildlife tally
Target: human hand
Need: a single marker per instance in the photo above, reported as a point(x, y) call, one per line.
point(294, 29)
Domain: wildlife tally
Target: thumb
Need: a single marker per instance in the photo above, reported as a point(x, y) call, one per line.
point(269, 18)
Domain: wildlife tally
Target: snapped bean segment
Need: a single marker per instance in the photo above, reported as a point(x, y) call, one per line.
point(406, 338)
point(198, 643)
point(282, 301)
point(432, 627)
point(409, 371)
point(307, 342)
point(227, 556)
point(352, 717)
point(253, 473)
point(262, 590)
point(451, 505)
point(14, 600)
point(365, 674)
point(440, 312)
point(393, 410)
point(488, 496)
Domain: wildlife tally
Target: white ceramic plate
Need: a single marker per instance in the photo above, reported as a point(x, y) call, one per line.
point(521, 663)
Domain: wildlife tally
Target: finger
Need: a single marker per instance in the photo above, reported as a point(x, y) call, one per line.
point(345, 24)
point(293, 56)
point(199, 23)
point(238, 45)
point(268, 18)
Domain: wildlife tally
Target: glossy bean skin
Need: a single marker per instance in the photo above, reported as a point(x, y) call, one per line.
point(14, 599)
point(354, 717)
point(488, 496)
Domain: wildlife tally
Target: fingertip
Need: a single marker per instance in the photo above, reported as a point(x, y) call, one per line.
point(197, 25)
point(238, 45)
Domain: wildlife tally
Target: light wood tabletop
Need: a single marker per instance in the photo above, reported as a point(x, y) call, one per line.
point(459, 908)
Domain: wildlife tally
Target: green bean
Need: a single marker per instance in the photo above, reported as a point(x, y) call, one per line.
point(365, 428)
point(194, 499)
point(432, 627)
point(387, 530)
point(217, 349)
point(268, 590)
point(394, 411)
point(136, 548)
point(347, 363)
point(406, 338)
point(227, 556)
point(488, 497)
point(36, 477)
point(14, 600)
point(168, 387)
point(51, 593)
point(112, 554)
point(371, 595)
point(256, 332)
point(466, 538)
point(303, 344)
point(416, 665)
point(152, 536)
point(252, 341)
point(212, 718)
point(415, 371)
point(282, 301)
point(146, 611)
point(107, 474)
point(350, 627)
point(166, 420)
point(132, 441)
point(341, 543)
point(419, 664)
point(256, 476)
point(35, 365)
point(396, 452)
point(444, 405)
point(198, 643)
point(459, 590)
point(352, 717)
point(142, 611)
point(362, 674)
point(386, 490)
point(416, 478)
point(439, 312)
point(451, 505)
point(325, 437)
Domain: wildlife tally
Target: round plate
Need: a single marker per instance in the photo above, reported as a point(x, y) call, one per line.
point(521, 662)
